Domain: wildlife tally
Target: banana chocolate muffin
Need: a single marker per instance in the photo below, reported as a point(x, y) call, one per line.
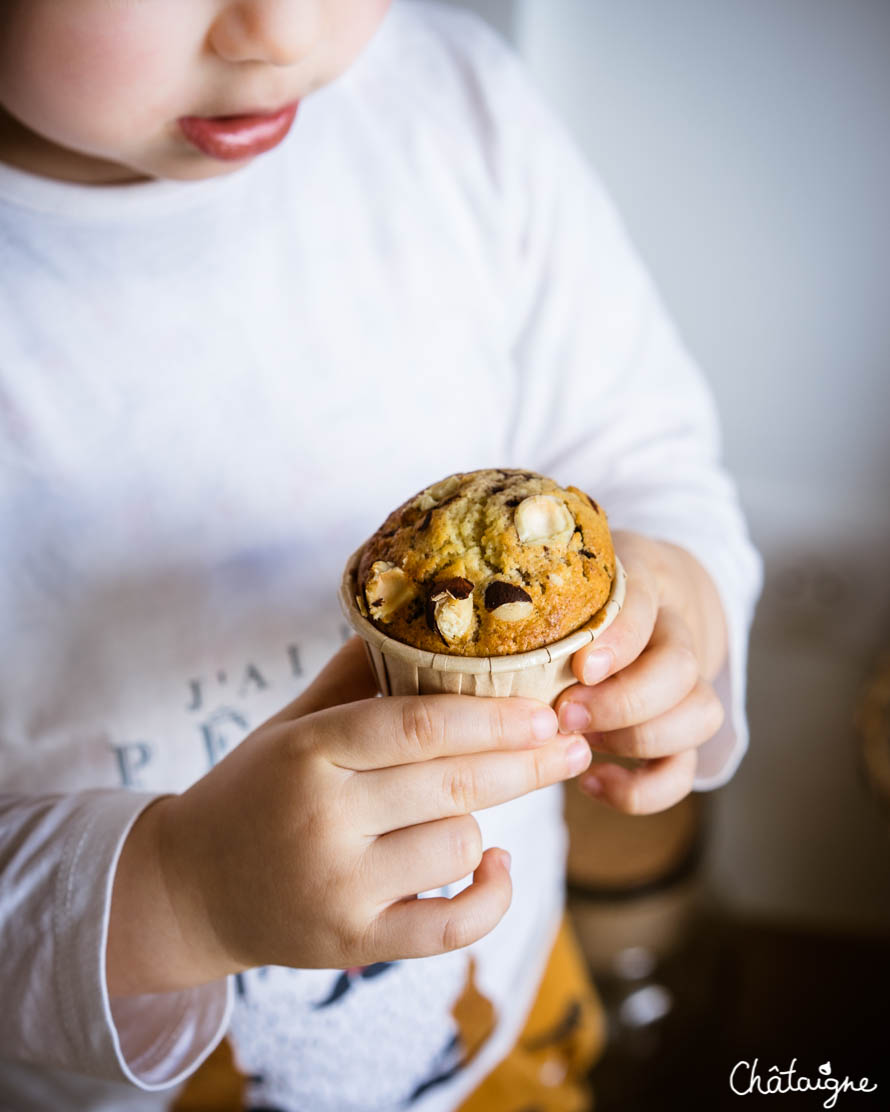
point(487, 563)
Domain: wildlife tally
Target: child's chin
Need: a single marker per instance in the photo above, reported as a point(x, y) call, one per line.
point(197, 169)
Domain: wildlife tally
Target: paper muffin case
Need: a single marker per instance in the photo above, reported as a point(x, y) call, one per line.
point(542, 674)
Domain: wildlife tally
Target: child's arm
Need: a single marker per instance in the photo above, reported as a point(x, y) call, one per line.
point(632, 420)
point(305, 846)
point(57, 860)
point(607, 398)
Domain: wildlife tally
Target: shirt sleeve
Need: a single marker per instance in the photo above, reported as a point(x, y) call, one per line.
point(607, 398)
point(58, 855)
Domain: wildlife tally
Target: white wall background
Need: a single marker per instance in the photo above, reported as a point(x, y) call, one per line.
point(746, 142)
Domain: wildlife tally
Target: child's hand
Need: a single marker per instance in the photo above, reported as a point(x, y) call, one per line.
point(307, 844)
point(645, 683)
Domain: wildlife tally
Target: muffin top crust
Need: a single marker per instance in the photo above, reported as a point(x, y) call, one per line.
point(487, 563)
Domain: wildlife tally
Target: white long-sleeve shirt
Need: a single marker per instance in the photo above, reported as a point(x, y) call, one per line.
point(210, 394)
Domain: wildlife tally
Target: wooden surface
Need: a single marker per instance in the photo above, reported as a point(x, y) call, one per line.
point(742, 990)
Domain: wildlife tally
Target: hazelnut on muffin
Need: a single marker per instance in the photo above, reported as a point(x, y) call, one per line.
point(487, 563)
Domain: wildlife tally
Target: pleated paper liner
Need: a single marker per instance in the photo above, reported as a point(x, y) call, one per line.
point(541, 674)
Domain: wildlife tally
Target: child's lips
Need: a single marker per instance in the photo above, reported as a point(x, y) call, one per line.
point(230, 138)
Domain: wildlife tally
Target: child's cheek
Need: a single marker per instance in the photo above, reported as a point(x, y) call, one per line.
point(358, 21)
point(92, 82)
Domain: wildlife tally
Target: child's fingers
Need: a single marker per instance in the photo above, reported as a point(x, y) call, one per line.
point(386, 799)
point(346, 678)
point(422, 858)
point(658, 679)
point(628, 634)
point(402, 729)
point(691, 723)
point(420, 928)
point(654, 786)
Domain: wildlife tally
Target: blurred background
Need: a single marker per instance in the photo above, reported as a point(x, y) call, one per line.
point(745, 143)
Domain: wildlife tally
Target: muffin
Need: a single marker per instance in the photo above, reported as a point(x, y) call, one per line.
point(486, 564)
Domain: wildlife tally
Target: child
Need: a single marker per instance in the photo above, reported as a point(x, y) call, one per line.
point(269, 266)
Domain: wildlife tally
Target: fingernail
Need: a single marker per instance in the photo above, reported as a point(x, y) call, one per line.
point(574, 718)
point(577, 757)
point(592, 785)
point(544, 724)
point(597, 665)
point(506, 859)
